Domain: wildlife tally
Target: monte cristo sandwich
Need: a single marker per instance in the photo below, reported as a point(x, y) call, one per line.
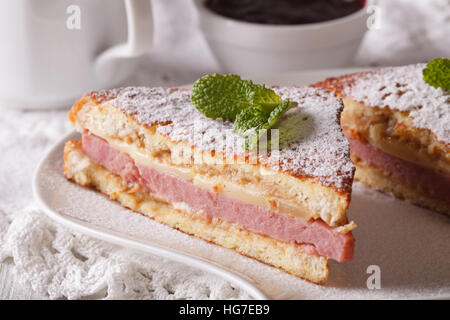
point(151, 150)
point(399, 130)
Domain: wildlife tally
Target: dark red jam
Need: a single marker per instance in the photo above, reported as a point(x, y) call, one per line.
point(284, 11)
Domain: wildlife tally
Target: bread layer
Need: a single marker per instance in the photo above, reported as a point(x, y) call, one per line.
point(293, 258)
point(392, 132)
point(294, 196)
point(329, 242)
point(406, 180)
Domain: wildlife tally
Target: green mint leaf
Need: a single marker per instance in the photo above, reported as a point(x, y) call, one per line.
point(254, 108)
point(224, 96)
point(279, 111)
point(437, 73)
point(220, 96)
point(249, 118)
point(263, 98)
point(252, 140)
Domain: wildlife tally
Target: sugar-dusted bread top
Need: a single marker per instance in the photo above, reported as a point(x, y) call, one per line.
point(311, 141)
point(402, 89)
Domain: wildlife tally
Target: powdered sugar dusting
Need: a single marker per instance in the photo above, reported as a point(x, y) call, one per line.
point(403, 89)
point(311, 140)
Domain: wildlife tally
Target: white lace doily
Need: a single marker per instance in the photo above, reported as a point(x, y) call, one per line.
point(62, 264)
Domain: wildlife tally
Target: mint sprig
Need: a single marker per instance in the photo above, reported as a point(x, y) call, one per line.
point(220, 96)
point(437, 73)
point(263, 98)
point(224, 96)
point(251, 142)
point(253, 107)
point(249, 118)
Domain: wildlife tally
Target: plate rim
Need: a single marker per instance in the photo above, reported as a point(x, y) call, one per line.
point(240, 280)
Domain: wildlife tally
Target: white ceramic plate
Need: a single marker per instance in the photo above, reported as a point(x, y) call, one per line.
point(410, 245)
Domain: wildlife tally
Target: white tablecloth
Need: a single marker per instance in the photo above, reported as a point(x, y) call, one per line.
point(41, 259)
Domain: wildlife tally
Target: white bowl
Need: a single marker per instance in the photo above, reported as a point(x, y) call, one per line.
point(255, 49)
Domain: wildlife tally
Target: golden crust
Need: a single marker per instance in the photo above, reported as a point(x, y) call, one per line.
point(287, 256)
point(337, 84)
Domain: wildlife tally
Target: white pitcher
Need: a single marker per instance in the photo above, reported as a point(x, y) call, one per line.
point(52, 51)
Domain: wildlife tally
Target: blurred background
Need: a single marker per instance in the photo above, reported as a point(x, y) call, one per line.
point(409, 31)
point(53, 51)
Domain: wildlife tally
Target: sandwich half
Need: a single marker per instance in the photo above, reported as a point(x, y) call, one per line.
point(152, 151)
point(399, 132)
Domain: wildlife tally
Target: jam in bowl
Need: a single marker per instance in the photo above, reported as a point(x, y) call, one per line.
point(271, 38)
point(284, 12)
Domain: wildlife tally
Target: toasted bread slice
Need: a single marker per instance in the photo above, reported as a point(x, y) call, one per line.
point(290, 202)
point(408, 122)
point(293, 258)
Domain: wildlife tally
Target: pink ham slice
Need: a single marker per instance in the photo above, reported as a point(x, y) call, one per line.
point(434, 183)
point(323, 238)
